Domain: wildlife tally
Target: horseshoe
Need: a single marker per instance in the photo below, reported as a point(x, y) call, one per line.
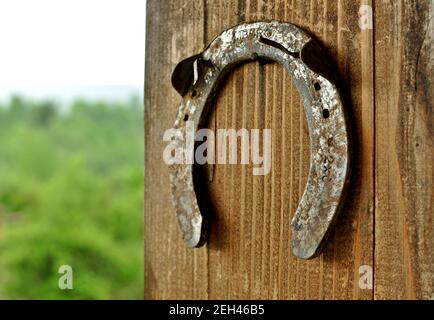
point(197, 78)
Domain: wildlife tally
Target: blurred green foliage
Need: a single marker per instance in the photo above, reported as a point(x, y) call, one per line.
point(71, 193)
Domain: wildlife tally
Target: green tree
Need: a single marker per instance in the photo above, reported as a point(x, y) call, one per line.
point(71, 193)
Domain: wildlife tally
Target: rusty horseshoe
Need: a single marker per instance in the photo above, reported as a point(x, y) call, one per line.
point(196, 79)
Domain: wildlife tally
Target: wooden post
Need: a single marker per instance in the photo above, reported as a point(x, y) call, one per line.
point(387, 224)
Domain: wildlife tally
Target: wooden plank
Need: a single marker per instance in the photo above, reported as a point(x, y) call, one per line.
point(248, 252)
point(404, 226)
point(335, 275)
point(174, 31)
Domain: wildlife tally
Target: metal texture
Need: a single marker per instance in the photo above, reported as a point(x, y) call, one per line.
point(197, 78)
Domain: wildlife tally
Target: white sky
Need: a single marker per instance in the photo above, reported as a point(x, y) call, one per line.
point(71, 43)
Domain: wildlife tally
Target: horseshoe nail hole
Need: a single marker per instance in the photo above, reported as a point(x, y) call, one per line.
point(193, 93)
point(186, 117)
point(317, 86)
point(325, 113)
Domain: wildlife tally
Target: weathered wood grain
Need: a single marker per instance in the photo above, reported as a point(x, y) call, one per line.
point(174, 30)
point(404, 226)
point(248, 252)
